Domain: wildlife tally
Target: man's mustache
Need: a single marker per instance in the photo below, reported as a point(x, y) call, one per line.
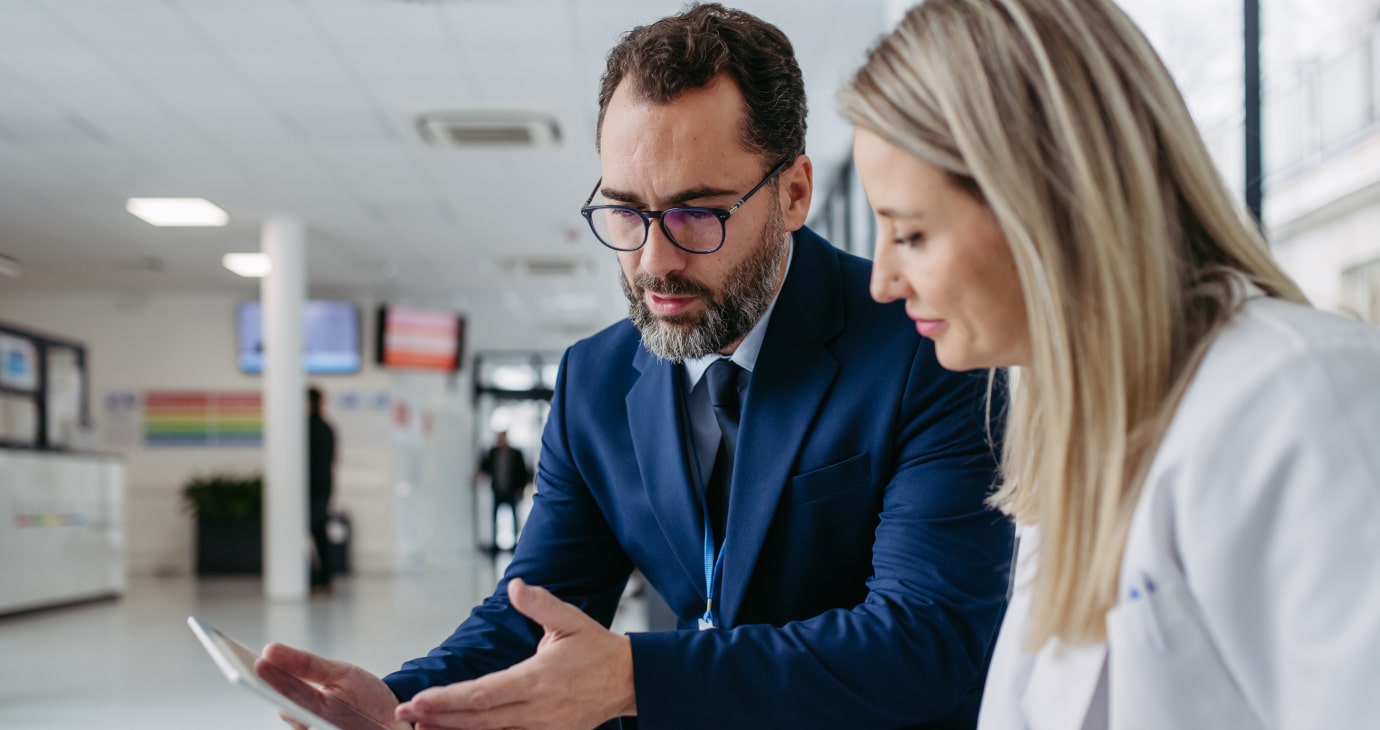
point(670, 286)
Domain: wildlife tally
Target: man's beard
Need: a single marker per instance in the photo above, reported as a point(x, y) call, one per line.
point(726, 318)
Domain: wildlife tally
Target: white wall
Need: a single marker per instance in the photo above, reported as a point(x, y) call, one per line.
point(391, 480)
point(1326, 220)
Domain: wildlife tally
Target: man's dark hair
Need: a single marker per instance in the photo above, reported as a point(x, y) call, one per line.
point(687, 51)
point(314, 399)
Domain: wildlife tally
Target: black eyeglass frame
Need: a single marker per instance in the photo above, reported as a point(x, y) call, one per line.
point(722, 214)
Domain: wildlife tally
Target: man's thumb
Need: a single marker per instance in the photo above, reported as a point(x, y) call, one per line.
point(542, 606)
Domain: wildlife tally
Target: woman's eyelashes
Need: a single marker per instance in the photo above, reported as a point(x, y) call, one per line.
point(909, 239)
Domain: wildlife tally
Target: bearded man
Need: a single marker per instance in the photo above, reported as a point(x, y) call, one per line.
point(781, 457)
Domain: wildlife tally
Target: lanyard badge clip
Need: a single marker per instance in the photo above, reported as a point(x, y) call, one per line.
point(707, 620)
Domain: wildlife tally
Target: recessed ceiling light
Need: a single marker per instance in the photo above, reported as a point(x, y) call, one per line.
point(177, 211)
point(248, 265)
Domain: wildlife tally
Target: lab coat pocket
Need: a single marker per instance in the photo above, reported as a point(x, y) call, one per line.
point(1163, 668)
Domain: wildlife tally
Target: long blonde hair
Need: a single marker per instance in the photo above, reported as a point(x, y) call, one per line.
point(1124, 237)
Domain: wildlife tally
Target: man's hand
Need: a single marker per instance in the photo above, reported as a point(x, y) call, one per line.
point(580, 677)
point(347, 682)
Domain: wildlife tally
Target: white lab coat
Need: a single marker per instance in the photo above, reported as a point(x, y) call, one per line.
point(1250, 584)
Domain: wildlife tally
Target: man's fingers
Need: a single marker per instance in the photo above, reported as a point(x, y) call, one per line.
point(508, 688)
point(305, 665)
point(518, 715)
point(542, 606)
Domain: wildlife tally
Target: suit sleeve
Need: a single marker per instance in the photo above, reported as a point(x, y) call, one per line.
point(1278, 532)
point(916, 648)
point(567, 547)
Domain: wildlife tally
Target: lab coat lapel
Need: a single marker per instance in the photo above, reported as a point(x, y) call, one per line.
point(1063, 682)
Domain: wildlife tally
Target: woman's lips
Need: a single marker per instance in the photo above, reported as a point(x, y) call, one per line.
point(928, 327)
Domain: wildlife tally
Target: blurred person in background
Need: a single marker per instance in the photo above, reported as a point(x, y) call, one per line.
point(321, 485)
point(508, 474)
point(1193, 452)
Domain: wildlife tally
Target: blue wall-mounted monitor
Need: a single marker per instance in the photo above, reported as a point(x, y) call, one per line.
point(330, 337)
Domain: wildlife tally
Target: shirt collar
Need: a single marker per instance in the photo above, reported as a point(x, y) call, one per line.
point(746, 354)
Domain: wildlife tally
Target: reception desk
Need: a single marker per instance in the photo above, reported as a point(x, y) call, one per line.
point(62, 535)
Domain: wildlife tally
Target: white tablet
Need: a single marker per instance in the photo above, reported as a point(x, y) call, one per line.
point(295, 698)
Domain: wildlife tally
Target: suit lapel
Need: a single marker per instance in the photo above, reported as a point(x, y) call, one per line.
point(793, 374)
point(659, 440)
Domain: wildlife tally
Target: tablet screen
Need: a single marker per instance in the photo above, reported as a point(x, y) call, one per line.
point(296, 698)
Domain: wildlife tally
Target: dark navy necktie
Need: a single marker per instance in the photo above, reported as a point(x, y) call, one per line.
point(723, 379)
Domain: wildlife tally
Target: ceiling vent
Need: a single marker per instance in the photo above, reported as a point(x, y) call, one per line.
point(150, 264)
point(543, 266)
point(477, 128)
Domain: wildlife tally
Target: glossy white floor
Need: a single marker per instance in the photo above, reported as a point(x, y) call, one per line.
point(133, 663)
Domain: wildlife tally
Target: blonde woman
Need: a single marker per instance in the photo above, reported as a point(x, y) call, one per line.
point(1193, 452)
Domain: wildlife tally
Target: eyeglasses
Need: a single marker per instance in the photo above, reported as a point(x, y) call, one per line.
point(691, 229)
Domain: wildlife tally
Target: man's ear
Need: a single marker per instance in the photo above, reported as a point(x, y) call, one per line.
point(795, 190)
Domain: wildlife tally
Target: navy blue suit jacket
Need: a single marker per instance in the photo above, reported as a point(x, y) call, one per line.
point(863, 579)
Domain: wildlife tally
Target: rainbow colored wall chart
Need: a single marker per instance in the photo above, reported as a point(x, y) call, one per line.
point(203, 419)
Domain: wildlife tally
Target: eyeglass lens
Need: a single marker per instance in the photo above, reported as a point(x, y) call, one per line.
point(690, 228)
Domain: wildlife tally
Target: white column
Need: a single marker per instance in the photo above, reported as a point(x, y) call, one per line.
point(285, 413)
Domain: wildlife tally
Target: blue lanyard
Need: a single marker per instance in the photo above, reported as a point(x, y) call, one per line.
point(712, 561)
point(711, 572)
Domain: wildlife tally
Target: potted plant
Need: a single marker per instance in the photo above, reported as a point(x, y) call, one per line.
point(229, 522)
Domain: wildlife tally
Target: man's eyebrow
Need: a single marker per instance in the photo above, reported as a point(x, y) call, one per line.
point(678, 199)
